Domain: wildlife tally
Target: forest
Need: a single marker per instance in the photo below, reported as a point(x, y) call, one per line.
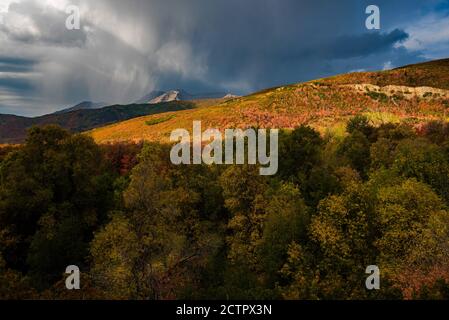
point(139, 227)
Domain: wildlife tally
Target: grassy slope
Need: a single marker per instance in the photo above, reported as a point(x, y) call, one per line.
point(324, 104)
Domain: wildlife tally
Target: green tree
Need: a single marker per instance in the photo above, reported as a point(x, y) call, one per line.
point(355, 148)
point(244, 192)
point(424, 161)
point(287, 220)
point(414, 242)
point(165, 237)
point(362, 124)
point(53, 195)
point(299, 151)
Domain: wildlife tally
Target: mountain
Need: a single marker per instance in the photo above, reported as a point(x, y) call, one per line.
point(413, 94)
point(172, 95)
point(13, 128)
point(157, 96)
point(84, 105)
point(150, 96)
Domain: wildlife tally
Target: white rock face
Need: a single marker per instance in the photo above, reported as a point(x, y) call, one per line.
point(230, 96)
point(168, 96)
point(406, 92)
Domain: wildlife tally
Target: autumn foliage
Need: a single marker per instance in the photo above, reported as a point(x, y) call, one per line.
point(140, 227)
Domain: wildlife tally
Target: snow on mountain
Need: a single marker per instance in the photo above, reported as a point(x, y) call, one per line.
point(180, 95)
point(150, 96)
point(230, 96)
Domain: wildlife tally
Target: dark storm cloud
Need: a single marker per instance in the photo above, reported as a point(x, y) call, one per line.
point(364, 44)
point(14, 74)
point(19, 85)
point(12, 64)
point(32, 23)
point(256, 44)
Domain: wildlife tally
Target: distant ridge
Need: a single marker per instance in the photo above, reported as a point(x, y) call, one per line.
point(84, 106)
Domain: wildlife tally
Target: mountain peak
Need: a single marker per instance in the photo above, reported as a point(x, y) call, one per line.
point(158, 96)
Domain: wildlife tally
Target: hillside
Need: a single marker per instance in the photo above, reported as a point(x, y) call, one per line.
point(428, 74)
point(13, 128)
point(413, 93)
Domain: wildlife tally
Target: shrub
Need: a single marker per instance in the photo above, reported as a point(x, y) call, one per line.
point(155, 121)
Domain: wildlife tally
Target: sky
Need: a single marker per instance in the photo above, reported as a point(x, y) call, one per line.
point(125, 49)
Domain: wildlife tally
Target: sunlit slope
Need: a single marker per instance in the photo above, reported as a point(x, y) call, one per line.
point(414, 93)
point(429, 74)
